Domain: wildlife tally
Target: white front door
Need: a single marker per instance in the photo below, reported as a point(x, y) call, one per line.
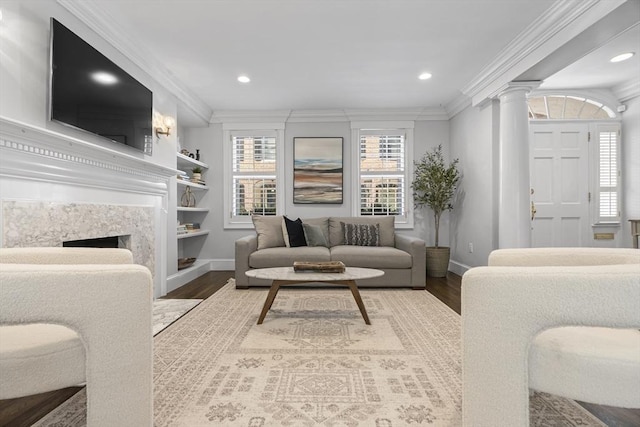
point(559, 155)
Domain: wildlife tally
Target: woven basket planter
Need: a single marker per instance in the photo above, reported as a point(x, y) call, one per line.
point(437, 261)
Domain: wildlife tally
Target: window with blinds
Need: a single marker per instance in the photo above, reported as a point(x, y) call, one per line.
point(253, 175)
point(382, 173)
point(608, 177)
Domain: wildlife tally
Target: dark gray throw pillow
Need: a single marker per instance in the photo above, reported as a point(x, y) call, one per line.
point(293, 232)
point(314, 235)
point(361, 234)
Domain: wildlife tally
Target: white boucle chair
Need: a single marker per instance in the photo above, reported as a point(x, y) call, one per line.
point(75, 315)
point(541, 319)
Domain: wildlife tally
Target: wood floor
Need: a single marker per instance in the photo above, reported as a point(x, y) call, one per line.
point(25, 411)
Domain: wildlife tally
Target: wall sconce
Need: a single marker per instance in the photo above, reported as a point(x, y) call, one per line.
point(167, 122)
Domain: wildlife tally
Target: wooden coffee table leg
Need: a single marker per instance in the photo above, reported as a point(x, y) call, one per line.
point(356, 295)
point(273, 291)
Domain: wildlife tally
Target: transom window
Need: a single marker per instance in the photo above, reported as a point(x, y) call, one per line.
point(567, 107)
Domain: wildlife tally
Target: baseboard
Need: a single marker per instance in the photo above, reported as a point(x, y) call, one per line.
point(458, 268)
point(223, 265)
point(183, 277)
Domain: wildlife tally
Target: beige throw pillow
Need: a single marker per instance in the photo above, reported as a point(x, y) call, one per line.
point(269, 230)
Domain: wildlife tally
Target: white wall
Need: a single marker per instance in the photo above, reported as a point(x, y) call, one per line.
point(219, 245)
point(24, 72)
point(630, 167)
point(24, 75)
point(474, 136)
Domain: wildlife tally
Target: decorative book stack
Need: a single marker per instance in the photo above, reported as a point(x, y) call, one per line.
point(319, 267)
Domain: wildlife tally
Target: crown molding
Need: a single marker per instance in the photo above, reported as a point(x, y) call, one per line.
point(250, 116)
point(628, 90)
point(106, 27)
point(418, 113)
point(317, 116)
point(457, 105)
point(557, 25)
point(428, 114)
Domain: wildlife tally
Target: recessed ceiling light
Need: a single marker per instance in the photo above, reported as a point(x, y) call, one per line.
point(104, 78)
point(424, 76)
point(244, 79)
point(622, 57)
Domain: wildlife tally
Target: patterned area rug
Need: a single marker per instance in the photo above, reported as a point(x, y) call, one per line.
point(167, 311)
point(315, 363)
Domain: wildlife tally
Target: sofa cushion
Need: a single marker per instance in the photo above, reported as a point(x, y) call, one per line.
point(293, 233)
point(52, 354)
point(371, 256)
point(314, 236)
point(387, 230)
point(269, 230)
point(361, 234)
point(285, 257)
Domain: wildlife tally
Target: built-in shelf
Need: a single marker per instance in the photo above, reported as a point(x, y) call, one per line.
point(183, 160)
point(193, 234)
point(184, 209)
point(191, 184)
point(188, 247)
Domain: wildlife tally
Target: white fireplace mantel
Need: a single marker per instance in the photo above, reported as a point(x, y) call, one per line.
point(32, 152)
point(54, 183)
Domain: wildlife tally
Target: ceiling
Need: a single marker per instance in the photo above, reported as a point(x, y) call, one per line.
point(336, 54)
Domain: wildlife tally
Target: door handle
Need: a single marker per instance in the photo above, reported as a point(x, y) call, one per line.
point(533, 210)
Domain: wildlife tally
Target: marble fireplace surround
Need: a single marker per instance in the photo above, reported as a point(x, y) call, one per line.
point(37, 224)
point(55, 188)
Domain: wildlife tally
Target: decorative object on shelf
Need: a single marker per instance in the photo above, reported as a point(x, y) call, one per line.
point(317, 165)
point(197, 173)
point(434, 185)
point(185, 152)
point(319, 267)
point(197, 154)
point(188, 199)
point(185, 262)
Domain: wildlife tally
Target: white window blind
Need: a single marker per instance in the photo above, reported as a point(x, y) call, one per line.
point(254, 189)
point(382, 173)
point(608, 176)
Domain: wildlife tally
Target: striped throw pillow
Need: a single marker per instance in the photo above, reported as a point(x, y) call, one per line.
point(361, 234)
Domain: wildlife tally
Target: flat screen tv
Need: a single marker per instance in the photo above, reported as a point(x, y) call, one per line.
point(88, 91)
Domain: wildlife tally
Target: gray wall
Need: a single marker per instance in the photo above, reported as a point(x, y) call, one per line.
point(219, 245)
point(474, 140)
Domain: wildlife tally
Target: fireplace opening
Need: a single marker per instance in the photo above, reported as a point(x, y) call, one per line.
point(100, 242)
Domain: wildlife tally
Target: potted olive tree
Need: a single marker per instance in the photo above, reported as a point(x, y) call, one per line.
point(434, 185)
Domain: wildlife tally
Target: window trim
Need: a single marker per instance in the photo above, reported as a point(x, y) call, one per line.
point(407, 127)
point(229, 130)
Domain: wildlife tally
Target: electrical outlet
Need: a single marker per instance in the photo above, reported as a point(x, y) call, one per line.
point(470, 248)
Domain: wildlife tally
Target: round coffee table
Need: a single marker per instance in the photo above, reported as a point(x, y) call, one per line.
point(285, 276)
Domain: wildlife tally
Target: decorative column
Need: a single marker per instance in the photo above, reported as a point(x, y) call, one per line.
point(514, 216)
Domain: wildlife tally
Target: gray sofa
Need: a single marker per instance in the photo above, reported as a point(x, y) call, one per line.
point(401, 257)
